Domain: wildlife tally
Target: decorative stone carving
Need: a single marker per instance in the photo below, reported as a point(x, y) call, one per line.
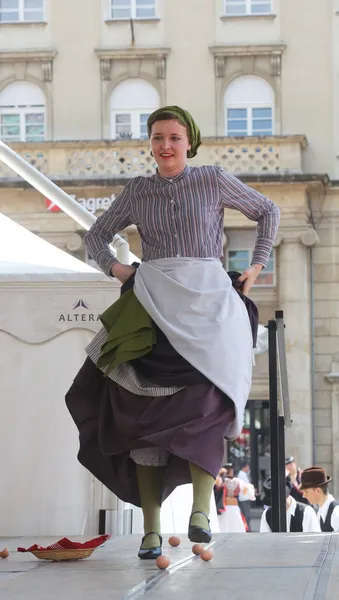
point(105, 69)
point(125, 160)
point(273, 53)
point(309, 237)
point(275, 64)
point(35, 157)
point(252, 156)
point(47, 69)
point(220, 64)
point(138, 55)
point(20, 59)
point(161, 67)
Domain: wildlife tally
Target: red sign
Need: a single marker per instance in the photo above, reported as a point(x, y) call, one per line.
point(91, 204)
point(51, 207)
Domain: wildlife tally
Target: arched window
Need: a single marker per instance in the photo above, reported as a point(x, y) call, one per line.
point(22, 113)
point(249, 103)
point(132, 102)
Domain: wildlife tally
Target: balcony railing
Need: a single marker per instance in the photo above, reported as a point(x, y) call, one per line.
point(81, 160)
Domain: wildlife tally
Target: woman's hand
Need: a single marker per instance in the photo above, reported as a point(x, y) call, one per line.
point(122, 272)
point(248, 277)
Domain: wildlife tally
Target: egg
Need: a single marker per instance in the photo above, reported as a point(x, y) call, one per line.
point(162, 562)
point(4, 553)
point(174, 541)
point(197, 549)
point(206, 555)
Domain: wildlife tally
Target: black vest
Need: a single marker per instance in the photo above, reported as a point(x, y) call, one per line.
point(296, 519)
point(326, 526)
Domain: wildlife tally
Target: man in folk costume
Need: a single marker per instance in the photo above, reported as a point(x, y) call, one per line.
point(169, 375)
point(299, 517)
point(314, 485)
point(294, 472)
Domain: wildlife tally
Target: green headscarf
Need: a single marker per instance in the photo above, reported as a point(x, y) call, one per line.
point(186, 119)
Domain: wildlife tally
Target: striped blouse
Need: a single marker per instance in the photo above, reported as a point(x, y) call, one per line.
point(183, 216)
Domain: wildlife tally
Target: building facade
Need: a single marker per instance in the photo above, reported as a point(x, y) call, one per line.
point(77, 83)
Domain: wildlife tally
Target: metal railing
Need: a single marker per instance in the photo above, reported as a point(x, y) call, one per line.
point(280, 417)
point(77, 212)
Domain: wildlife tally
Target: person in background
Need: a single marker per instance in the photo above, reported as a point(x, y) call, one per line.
point(299, 517)
point(314, 485)
point(244, 502)
point(230, 518)
point(293, 471)
point(219, 490)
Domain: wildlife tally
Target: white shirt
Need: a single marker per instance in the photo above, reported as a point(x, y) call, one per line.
point(322, 513)
point(311, 522)
point(244, 477)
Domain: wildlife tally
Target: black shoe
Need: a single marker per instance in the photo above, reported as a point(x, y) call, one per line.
point(150, 553)
point(199, 534)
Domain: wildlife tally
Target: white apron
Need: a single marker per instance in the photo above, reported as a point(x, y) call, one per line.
point(193, 302)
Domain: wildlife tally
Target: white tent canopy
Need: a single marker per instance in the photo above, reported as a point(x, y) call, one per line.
point(50, 304)
point(26, 257)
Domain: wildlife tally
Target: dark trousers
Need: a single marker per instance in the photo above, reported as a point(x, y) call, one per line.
point(245, 508)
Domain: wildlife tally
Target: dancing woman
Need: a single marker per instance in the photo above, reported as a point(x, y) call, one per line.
point(168, 377)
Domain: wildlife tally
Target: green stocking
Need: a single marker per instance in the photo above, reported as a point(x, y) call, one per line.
point(150, 484)
point(203, 484)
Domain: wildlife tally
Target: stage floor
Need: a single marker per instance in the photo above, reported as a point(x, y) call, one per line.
point(244, 566)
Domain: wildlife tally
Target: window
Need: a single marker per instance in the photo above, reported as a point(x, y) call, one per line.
point(132, 102)
point(133, 9)
point(16, 11)
point(249, 104)
point(248, 7)
point(239, 260)
point(22, 113)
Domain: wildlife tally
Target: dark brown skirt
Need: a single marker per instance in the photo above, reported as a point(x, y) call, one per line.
point(189, 424)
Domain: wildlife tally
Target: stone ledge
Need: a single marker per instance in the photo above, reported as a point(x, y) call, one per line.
point(132, 53)
point(229, 50)
point(112, 181)
point(24, 24)
point(27, 55)
point(266, 17)
point(148, 21)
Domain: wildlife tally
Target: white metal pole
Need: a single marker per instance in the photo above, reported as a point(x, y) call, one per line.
point(70, 206)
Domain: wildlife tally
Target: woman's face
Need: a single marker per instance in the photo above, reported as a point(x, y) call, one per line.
point(169, 144)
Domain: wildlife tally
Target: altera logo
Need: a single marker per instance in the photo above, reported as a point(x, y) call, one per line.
point(80, 304)
point(79, 317)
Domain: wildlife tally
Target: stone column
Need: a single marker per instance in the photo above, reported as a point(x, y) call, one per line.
point(294, 300)
point(326, 325)
point(333, 378)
